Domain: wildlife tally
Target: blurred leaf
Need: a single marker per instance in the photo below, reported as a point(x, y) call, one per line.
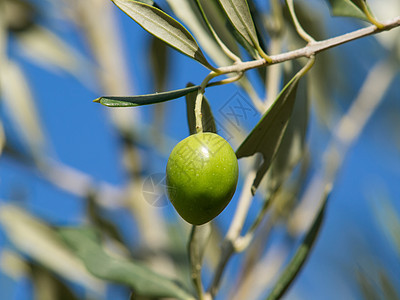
point(144, 281)
point(326, 70)
point(37, 241)
point(347, 8)
point(259, 21)
point(95, 216)
point(387, 285)
point(208, 117)
point(124, 101)
point(189, 13)
point(48, 287)
point(2, 138)
point(48, 50)
point(303, 251)
point(159, 63)
point(243, 42)
point(12, 265)
point(388, 218)
point(367, 288)
point(292, 145)
point(215, 17)
point(166, 28)
point(18, 99)
point(266, 136)
point(18, 15)
point(239, 14)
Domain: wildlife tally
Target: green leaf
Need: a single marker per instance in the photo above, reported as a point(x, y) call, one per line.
point(164, 27)
point(215, 18)
point(42, 245)
point(144, 281)
point(208, 117)
point(243, 42)
point(126, 101)
point(292, 145)
point(347, 8)
point(239, 14)
point(266, 136)
point(297, 262)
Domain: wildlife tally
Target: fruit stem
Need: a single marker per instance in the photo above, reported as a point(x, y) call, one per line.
point(199, 100)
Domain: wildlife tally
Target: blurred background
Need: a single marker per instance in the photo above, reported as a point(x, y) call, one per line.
point(66, 161)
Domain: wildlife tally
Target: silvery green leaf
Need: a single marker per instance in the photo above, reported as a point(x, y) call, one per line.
point(239, 14)
point(164, 27)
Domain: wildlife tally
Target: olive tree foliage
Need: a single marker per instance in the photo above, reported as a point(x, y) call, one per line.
point(286, 46)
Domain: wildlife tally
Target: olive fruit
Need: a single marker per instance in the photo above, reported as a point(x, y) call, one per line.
point(202, 174)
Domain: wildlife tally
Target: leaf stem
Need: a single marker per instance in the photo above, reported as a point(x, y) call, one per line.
point(369, 16)
point(224, 48)
point(308, 38)
point(227, 80)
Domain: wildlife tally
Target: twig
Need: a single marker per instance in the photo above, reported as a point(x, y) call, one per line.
point(312, 48)
point(228, 245)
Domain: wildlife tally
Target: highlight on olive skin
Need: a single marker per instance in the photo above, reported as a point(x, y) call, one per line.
point(202, 174)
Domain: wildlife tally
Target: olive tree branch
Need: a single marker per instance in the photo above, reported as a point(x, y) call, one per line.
point(312, 48)
point(233, 242)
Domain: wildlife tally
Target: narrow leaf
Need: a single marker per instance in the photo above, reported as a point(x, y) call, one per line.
point(164, 27)
point(190, 15)
point(208, 117)
point(125, 101)
point(18, 99)
point(239, 14)
point(293, 141)
point(301, 255)
point(41, 244)
point(347, 8)
point(266, 136)
point(144, 281)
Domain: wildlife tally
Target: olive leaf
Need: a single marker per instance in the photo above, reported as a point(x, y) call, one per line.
point(239, 14)
point(348, 8)
point(144, 281)
point(266, 136)
point(164, 27)
point(292, 146)
point(126, 101)
point(207, 115)
point(42, 245)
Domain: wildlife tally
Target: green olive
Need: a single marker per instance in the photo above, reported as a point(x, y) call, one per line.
point(202, 174)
